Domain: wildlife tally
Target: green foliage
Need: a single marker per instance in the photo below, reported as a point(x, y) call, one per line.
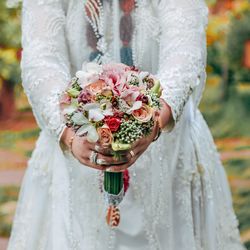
point(9, 138)
point(226, 118)
point(8, 198)
point(10, 26)
point(242, 208)
point(10, 43)
point(214, 59)
point(8, 193)
point(239, 33)
point(237, 167)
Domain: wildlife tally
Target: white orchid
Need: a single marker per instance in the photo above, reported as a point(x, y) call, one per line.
point(141, 76)
point(136, 105)
point(89, 73)
point(86, 127)
point(95, 111)
point(92, 135)
point(107, 108)
point(71, 108)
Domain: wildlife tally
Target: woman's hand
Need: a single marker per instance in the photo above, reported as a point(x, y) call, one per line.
point(140, 146)
point(165, 115)
point(82, 150)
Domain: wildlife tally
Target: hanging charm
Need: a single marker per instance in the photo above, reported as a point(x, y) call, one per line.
point(111, 195)
point(113, 216)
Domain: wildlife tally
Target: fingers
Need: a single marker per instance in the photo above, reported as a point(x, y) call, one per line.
point(83, 154)
point(123, 167)
point(111, 160)
point(105, 159)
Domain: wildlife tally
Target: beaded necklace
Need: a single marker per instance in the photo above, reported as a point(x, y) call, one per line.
point(95, 15)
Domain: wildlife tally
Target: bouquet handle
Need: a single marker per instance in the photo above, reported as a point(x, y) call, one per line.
point(113, 193)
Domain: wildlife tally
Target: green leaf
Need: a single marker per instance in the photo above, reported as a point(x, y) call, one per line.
point(73, 92)
point(120, 146)
point(156, 88)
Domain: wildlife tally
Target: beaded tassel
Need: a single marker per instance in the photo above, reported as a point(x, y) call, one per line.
point(126, 31)
point(113, 216)
point(93, 10)
point(94, 14)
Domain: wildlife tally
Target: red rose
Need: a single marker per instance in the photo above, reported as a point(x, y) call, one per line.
point(113, 123)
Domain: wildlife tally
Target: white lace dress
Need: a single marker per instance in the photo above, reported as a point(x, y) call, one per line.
point(178, 196)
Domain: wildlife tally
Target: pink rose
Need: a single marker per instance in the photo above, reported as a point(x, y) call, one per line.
point(105, 136)
point(96, 87)
point(144, 114)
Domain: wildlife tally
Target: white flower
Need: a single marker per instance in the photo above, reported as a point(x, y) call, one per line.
point(86, 127)
point(95, 112)
point(136, 105)
point(79, 119)
point(92, 135)
point(89, 73)
point(106, 107)
point(92, 67)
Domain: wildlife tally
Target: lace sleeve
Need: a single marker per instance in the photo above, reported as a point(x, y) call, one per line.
point(45, 64)
point(182, 50)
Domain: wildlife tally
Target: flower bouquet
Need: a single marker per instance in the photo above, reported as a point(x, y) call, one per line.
point(114, 105)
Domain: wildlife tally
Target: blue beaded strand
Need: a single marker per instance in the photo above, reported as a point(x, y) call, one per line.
point(126, 55)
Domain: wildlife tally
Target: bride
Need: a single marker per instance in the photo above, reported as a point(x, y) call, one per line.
point(178, 196)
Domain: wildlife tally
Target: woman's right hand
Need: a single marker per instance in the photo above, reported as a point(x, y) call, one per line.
point(82, 149)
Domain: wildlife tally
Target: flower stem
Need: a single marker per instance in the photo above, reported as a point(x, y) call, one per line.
point(113, 182)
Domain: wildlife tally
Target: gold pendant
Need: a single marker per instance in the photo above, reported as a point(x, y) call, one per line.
point(113, 216)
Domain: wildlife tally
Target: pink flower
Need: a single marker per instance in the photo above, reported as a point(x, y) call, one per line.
point(130, 95)
point(142, 98)
point(85, 96)
point(115, 77)
point(96, 87)
point(105, 136)
point(144, 114)
point(117, 66)
point(65, 101)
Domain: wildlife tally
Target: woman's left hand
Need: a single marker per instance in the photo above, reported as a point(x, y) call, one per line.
point(140, 146)
point(137, 149)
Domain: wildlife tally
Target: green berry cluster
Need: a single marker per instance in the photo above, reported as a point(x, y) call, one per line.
point(131, 130)
point(155, 100)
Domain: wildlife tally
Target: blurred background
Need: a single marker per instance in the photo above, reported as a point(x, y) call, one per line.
point(225, 105)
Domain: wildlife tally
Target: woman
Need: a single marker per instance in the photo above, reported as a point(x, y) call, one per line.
point(178, 196)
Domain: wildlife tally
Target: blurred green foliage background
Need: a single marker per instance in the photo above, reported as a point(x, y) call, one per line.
point(225, 105)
